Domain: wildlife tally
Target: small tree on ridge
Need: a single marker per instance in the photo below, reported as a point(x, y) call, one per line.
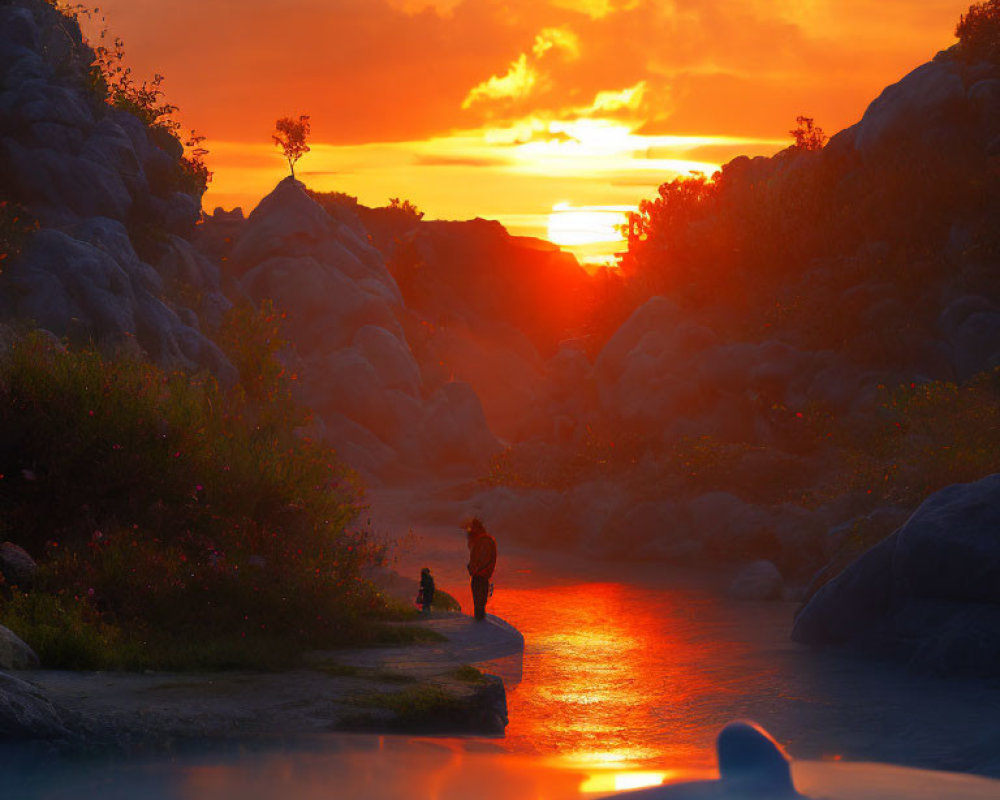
point(808, 135)
point(290, 135)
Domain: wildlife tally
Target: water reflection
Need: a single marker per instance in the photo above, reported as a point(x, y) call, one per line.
point(611, 675)
point(620, 686)
point(333, 767)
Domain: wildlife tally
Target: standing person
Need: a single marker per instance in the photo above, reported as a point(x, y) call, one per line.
point(482, 562)
point(426, 596)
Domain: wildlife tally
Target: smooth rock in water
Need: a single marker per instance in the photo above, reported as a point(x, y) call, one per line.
point(14, 653)
point(16, 565)
point(928, 594)
point(752, 766)
point(751, 761)
point(760, 580)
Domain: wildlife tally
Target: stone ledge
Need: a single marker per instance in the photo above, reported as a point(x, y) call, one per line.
point(420, 688)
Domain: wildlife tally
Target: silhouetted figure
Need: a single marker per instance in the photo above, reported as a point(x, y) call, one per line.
point(425, 598)
point(482, 562)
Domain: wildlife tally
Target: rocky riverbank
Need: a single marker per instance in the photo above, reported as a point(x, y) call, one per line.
point(425, 688)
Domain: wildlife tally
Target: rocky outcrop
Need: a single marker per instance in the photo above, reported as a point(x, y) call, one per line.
point(14, 653)
point(604, 520)
point(17, 566)
point(474, 274)
point(27, 713)
point(421, 688)
point(928, 594)
point(760, 580)
point(110, 263)
point(444, 706)
point(488, 308)
point(355, 365)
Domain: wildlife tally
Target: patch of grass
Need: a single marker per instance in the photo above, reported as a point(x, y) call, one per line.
point(444, 602)
point(405, 634)
point(469, 674)
point(415, 705)
point(68, 633)
point(64, 634)
point(352, 671)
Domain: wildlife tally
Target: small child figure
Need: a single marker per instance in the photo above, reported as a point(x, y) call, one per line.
point(426, 596)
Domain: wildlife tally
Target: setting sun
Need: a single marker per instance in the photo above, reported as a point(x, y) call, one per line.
point(601, 783)
point(569, 225)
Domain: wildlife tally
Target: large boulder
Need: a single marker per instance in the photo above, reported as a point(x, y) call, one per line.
point(920, 110)
point(476, 274)
point(928, 594)
point(26, 713)
point(16, 565)
point(104, 188)
point(662, 372)
point(14, 653)
point(356, 368)
point(454, 432)
point(760, 580)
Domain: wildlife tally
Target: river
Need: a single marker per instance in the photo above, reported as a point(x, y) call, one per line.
point(627, 677)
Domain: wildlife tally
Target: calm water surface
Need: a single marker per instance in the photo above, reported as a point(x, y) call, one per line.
point(622, 684)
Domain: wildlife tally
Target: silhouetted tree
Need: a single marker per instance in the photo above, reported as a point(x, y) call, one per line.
point(978, 31)
point(405, 207)
point(290, 135)
point(808, 135)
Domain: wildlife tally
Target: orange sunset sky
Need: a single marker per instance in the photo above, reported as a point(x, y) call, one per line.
point(507, 109)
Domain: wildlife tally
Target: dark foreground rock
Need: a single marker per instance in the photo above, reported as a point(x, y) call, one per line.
point(110, 262)
point(17, 566)
point(928, 594)
point(26, 713)
point(14, 653)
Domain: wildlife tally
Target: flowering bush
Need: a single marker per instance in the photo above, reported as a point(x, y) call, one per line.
point(171, 510)
point(927, 436)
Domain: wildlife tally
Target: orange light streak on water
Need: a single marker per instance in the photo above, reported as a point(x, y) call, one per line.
point(608, 681)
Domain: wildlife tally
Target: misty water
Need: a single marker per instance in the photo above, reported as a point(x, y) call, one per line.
point(627, 677)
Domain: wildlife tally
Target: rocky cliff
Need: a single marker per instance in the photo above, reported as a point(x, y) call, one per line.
point(349, 348)
point(110, 261)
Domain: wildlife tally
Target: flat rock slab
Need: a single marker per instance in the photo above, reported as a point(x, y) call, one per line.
point(468, 642)
point(153, 709)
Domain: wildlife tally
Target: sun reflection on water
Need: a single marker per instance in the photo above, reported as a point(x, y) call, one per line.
point(609, 681)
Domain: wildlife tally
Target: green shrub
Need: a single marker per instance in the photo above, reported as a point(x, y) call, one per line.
point(175, 511)
point(415, 705)
point(469, 674)
point(445, 602)
point(111, 79)
point(65, 632)
point(927, 436)
point(807, 134)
